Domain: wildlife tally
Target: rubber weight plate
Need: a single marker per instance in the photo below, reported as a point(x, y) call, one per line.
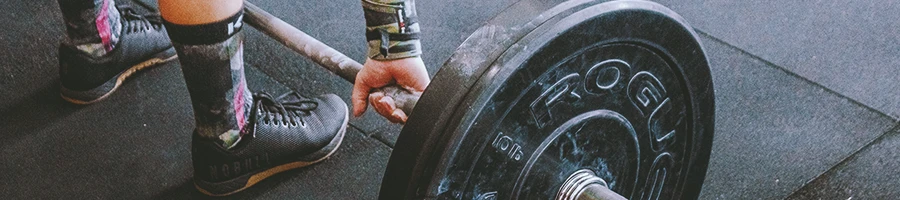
point(421, 141)
point(621, 89)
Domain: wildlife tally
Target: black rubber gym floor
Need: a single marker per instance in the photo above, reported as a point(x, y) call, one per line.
point(807, 103)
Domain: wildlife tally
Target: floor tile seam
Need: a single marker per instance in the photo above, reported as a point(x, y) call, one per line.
point(370, 136)
point(791, 73)
point(845, 160)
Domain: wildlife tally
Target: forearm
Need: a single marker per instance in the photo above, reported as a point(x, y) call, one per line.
point(392, 30)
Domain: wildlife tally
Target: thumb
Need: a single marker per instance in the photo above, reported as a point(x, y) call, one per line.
point(359, 96)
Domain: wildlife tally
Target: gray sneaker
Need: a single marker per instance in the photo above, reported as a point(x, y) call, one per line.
point(282, 134)
point(143, 44)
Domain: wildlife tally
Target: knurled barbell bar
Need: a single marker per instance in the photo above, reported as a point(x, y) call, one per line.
point(550, 99)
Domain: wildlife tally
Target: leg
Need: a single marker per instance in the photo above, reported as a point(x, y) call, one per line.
point(92, 25)
point(241, 138)
point(105, 45)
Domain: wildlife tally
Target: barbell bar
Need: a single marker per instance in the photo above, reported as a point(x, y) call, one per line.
point(320, 53)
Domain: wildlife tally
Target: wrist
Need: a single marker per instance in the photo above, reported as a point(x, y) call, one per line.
point(394, 50)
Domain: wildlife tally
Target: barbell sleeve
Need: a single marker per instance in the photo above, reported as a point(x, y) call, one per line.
point(599, 192)
point(320, 53)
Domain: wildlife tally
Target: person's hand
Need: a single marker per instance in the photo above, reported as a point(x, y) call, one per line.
point(409, 73)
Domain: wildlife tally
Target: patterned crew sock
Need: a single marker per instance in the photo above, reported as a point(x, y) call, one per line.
point(93, 26)
point(211, 57)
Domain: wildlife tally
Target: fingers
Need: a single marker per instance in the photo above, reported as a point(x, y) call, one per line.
point(384, 106)
point(399, 115)
point(387, 107)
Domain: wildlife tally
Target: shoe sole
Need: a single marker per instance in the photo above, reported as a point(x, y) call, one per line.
point(256, 178)
point(118, 79)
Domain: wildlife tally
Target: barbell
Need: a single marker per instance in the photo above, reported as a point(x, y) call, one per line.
point(550, 99)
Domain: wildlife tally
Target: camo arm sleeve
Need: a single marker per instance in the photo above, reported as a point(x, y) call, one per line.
point(392, 30)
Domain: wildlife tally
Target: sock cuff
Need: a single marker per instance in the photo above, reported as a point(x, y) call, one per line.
point(210, 33)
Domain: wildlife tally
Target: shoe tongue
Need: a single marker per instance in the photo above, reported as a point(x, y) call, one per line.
point(136, 25)
point(135, 22)
point(290, 96)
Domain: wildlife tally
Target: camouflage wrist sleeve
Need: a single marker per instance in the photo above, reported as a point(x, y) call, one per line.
point(392, 30)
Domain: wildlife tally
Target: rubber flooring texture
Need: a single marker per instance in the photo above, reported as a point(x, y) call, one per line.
point(791, 123)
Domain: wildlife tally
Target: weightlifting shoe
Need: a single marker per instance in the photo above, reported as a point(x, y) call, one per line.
point(285, 133)
point(143, 43)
